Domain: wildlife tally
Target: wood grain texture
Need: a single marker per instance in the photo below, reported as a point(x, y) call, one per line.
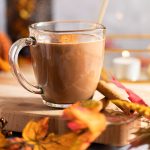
point(18, 106)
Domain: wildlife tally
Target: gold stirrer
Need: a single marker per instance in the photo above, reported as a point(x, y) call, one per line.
point(103, 8)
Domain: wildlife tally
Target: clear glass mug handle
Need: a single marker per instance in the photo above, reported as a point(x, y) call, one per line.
point(13, 59)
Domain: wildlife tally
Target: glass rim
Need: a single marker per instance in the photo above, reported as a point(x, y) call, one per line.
point(96, 26)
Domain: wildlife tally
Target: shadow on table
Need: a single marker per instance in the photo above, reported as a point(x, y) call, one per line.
point(95, 146)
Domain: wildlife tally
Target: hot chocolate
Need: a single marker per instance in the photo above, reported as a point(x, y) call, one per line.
point(67, 58)
point(67, 71)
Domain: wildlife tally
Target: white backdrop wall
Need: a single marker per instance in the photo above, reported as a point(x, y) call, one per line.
point(122, 16)
point(132, 16)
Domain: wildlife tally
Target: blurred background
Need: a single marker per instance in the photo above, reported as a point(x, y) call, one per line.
point(127, 22)
point(121, 17)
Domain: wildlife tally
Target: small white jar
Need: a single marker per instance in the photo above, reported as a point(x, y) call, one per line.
point(126, 67)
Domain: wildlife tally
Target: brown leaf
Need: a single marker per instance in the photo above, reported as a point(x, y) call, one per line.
point(143, 137)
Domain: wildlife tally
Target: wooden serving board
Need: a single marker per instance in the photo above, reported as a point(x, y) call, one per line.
point(18, 106)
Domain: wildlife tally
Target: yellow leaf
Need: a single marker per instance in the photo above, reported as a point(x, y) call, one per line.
point(35, 130)
point(94, 121)
point(90, 121)
point(57, 142)
point(3, 141)
point(139, 108)
point(84, 117)
point(4, 65)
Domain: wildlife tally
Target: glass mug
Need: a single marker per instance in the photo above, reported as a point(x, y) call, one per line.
point(67, 58)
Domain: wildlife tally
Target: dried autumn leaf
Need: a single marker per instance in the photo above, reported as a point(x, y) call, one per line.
point(35, 131)
point(57, 142)
point(4, 65)
point(141, 109)
point(143, 137)
point(81, 118)
point(96, 124)
point(89, 125)
point(15, 143)
point(76, 124)
point(3, 142)
point(132, 96)
point(85, 121)
point(94, 106)
point(5, 45)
